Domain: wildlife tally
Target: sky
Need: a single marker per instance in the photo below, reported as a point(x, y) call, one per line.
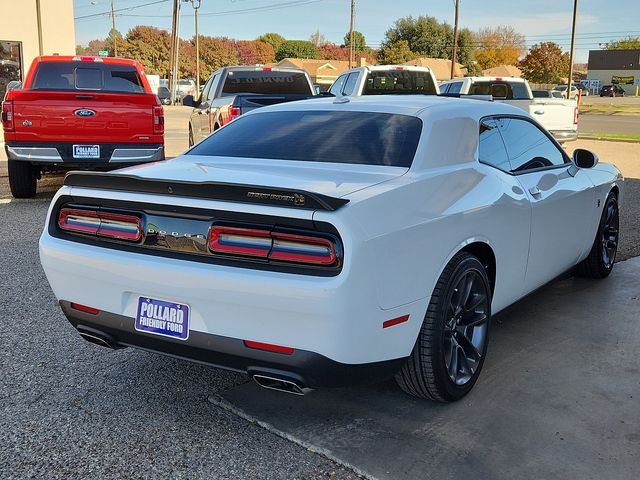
point(540, 20)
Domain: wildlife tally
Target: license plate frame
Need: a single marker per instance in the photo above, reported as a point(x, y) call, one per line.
point(162, 317)
point(91, 152)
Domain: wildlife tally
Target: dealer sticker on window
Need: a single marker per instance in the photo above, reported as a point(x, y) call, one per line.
point(86, 151)
point(162, 318)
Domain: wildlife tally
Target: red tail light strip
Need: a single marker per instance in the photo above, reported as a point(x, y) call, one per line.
point(395, 321)
point(272, 245)
point(104, 224)
point(269, 347)
point(85, 309)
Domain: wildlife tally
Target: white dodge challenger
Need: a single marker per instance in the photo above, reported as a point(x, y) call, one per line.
point(333, 241)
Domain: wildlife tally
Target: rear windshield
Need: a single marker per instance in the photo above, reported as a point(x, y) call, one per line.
point(399, 82)
point(261, 82)
point(541, 94)
point(501, 90)
point(93, 76)
point(318, 136)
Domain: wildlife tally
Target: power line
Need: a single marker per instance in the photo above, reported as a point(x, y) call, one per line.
point(119, 10)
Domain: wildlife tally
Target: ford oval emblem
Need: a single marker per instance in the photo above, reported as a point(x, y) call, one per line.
point(84, 112)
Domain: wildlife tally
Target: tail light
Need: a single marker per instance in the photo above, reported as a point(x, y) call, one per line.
point(85, 309)
point(262, 243)
point(7, 116)
point(158, 119)
point(102, 224)
point(269, 347)
point(234, 112)
point(576, 113)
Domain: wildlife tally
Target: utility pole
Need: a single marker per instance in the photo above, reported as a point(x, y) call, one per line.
point(196, 6)
point(175, 43)
point(351, 52)
point(454, 56)
point(39, 18)
point(573, 39)
point(113, 30)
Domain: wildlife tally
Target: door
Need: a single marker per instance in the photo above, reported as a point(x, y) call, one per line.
point(199, 118)
point(562, 204)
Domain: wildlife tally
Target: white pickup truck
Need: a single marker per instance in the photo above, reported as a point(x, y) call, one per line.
point(558, 116)
point(385, 80)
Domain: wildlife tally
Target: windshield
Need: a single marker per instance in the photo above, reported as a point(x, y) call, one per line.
point(266, 82)
point(87, 76)
point(500, 89)
point(318, 136)
point(387, 82)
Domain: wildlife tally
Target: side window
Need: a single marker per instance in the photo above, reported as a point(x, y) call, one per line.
point(528, 147)
point(491, 148)
point(444, 88)
point(214, 85)
point(350, 84)
point(336, 88)
point(455, 87)
point(205, 90)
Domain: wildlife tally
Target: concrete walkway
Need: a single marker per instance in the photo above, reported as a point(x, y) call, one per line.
point(559, 397)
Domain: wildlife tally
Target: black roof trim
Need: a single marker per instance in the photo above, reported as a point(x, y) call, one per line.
point(256, 194)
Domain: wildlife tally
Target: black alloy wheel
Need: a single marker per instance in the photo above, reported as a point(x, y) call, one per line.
point(451, 346)
point(602, 256)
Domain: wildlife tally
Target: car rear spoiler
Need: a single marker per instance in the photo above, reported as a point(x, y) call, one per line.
point(232, 192)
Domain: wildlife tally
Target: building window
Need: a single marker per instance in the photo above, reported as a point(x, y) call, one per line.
point(10, 64)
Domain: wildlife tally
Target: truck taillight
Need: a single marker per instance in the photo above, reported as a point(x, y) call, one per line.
point(7, 116)
point(234, 112)
point(158, 119)
point(262, 243)
point(576, 113)
point(101, 224)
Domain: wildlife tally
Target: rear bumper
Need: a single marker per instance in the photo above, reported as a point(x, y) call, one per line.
point(564, 135)
point(62, 154)
point(302, 367)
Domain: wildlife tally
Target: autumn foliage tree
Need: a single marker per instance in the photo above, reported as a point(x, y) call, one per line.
point(252, 52)
point(545, 63)
point(273, 39)
point(499, 46)
point(297, 49)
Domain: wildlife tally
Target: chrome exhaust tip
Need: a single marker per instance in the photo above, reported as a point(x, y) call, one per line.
point(281, 385)
point(97, 339)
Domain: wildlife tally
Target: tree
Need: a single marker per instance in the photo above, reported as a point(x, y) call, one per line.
point(318, 39)
point(427, 37)
point(359, 42)
point(148, 45)
point(545, 63)
point(499, 46)
point(297, 49)
point(397, 52)
point(273, 39)
point(629, 43)
point(252, 52)
point(331, 51)
point(214, 54)
point(114, 37)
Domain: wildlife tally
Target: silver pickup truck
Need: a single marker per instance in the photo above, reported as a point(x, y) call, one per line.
point(385, 80)
point(558, 116)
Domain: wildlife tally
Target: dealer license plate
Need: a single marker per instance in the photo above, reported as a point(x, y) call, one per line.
point(86, 151)
point(159, 317)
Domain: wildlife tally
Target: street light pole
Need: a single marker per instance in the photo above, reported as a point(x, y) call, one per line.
point(196, 6)
point(113, 30)
point(455, 40)
point(351, 52)
point(175, 43)
point(573, 39)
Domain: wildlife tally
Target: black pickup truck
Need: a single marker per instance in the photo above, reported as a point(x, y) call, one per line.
point(232, 91)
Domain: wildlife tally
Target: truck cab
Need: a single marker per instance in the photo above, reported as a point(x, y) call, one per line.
point(385, 80)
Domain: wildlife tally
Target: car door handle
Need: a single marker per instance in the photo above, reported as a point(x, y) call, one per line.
point(535, 191)
point(539, 112)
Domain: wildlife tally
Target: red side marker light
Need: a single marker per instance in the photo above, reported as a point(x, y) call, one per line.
point(395, 321)
point(85, 309)
point(269, 347)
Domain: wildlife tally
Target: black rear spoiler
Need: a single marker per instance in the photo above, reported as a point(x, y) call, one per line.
point(231, 192)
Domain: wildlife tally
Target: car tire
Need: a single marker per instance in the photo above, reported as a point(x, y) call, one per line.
point(190, 137)
point(23, 179)
point(602, 256)
point(435, 369)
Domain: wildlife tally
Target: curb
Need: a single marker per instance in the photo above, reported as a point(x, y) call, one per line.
point(607, 139)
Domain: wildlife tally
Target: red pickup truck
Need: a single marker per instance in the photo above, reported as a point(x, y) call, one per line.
point(80, 113)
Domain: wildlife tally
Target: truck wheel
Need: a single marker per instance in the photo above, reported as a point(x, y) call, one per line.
point(190, 137)
point(449, 353)
point(22, 179)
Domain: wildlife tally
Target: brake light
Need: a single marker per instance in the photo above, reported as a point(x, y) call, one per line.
point(158, 119)
point(576, 113)
point(234, 112)
point(395, 321)
point(85, 58)
point(266, 69)
point(85, 309)
point(8, 123)
point(102, 224)
point(400, 68)
point(262, 243)
point(269, 347)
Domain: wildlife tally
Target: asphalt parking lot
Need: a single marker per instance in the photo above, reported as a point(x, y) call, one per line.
point(558, 397)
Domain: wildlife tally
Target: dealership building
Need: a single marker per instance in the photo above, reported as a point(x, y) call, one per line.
point(31, 28)
point(621, 67)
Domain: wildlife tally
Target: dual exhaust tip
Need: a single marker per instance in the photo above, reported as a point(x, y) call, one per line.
point(265, 381)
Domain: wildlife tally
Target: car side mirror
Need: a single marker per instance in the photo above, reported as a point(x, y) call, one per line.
point(582, 158)
point(14, 85)
point(188, 101)
point(316, 89)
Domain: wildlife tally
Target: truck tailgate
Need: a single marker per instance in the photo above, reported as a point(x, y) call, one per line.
point(92, 117)
point(555, 115)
